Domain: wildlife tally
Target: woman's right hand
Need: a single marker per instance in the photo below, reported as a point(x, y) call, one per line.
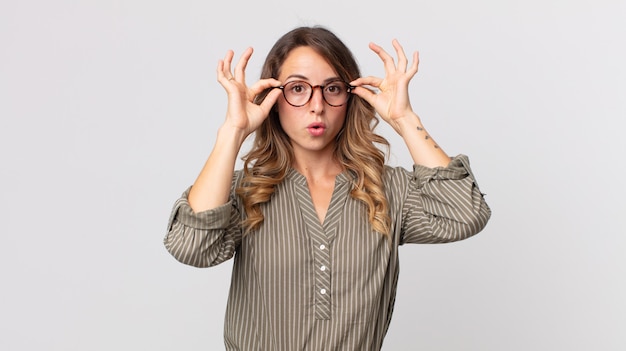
point(242, 113)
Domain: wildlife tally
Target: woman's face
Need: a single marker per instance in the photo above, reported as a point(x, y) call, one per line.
point(313, 126)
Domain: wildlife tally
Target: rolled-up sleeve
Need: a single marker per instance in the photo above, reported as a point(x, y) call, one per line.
point(443, 204)
point(205, 238)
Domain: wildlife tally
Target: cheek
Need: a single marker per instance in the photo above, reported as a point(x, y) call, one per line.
point(285, 114)
point(282, 106)
point(340, 118)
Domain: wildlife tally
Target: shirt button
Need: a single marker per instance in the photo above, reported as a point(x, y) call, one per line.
point(323, 268)
point(322, 247)
point(323, 291)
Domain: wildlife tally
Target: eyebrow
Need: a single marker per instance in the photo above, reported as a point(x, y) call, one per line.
point(301, 77)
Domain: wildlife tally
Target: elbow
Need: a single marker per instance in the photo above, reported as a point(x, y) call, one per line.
point(447, 230)
point(185, 254)
point(475, 223)
point(199, 248)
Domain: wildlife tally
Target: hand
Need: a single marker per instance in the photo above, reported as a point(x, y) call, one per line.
point(392, 99)
point(242, 113)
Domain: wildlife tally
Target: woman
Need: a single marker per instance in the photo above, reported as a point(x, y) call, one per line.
point(315, 217)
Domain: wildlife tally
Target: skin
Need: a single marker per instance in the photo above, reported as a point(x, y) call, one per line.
point(388, 95)
point(305, 64)
point(313, 154)
point(392, 104)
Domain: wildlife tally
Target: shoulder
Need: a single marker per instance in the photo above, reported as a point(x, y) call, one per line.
point(397, 175)
point(397, 182)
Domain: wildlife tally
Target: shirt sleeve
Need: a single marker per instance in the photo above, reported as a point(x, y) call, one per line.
point(443, 204)
point(205, 238)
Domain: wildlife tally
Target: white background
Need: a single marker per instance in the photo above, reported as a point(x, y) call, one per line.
point(109, 109)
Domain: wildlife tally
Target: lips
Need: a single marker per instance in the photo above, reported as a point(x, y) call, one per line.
point(316, 129)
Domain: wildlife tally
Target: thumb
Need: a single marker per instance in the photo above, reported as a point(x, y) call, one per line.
point(364, 93)
point(270, 99)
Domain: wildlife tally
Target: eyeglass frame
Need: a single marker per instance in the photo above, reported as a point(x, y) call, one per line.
point(321, 86)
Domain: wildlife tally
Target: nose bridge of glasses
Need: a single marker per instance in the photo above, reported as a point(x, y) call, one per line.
point(321, 88)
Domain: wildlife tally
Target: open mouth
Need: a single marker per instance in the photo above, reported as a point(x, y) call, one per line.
point(316, 129)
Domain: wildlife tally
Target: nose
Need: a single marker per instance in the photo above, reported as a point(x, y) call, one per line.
point(317, 99)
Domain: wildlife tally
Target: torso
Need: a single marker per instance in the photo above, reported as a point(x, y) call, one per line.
point(321, 194)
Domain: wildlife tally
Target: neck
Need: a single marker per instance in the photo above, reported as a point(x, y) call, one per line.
point(317, 168)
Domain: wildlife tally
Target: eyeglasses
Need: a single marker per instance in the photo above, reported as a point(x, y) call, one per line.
point(299, 93)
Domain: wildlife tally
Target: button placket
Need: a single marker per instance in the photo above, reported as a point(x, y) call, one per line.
point(322, 281)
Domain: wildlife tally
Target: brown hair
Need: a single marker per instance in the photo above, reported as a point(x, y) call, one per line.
point(271, 156)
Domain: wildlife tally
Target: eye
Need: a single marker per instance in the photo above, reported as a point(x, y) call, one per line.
point(297, 87)
point(335, 88)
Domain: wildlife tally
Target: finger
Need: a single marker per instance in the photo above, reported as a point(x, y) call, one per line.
point(270, 99)
point(388, 62)
point(219, 71)
point(416, 61)
point(365, 93)
point(402, 60)
point(258, 87)
point(263, 85)
point(240, 69)
point(373, 81)
point(412, 70)
point(221, 77)
point(223, 67)
point(228, 60)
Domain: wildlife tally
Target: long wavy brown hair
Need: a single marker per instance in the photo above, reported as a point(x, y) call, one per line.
point(356, 148)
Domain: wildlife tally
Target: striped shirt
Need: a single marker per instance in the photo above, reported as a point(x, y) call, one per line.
point(298, 284)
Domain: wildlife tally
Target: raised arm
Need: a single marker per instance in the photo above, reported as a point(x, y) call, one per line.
point(391, 102)
point(212, 186)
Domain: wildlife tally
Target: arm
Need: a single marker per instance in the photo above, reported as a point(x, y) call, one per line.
point(212, 186)
point(207, 238)
point(393, 105)
point(205, 226)
point(442, 204)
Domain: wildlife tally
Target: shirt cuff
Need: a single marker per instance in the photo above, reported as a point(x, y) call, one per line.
point(458, 168)
point(215, 218)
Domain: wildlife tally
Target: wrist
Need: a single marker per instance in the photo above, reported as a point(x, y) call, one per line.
point(230, 134)
point(408, 124)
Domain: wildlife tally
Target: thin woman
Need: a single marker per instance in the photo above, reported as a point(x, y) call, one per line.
point(315, 217)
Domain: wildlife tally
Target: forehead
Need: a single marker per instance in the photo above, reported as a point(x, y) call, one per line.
point(305, 62)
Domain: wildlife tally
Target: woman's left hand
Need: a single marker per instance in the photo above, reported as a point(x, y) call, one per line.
point(392, 99)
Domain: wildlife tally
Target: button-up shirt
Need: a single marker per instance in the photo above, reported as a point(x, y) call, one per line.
point(299, 284)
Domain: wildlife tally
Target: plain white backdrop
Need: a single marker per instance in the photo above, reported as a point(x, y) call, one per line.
point(108, 109)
